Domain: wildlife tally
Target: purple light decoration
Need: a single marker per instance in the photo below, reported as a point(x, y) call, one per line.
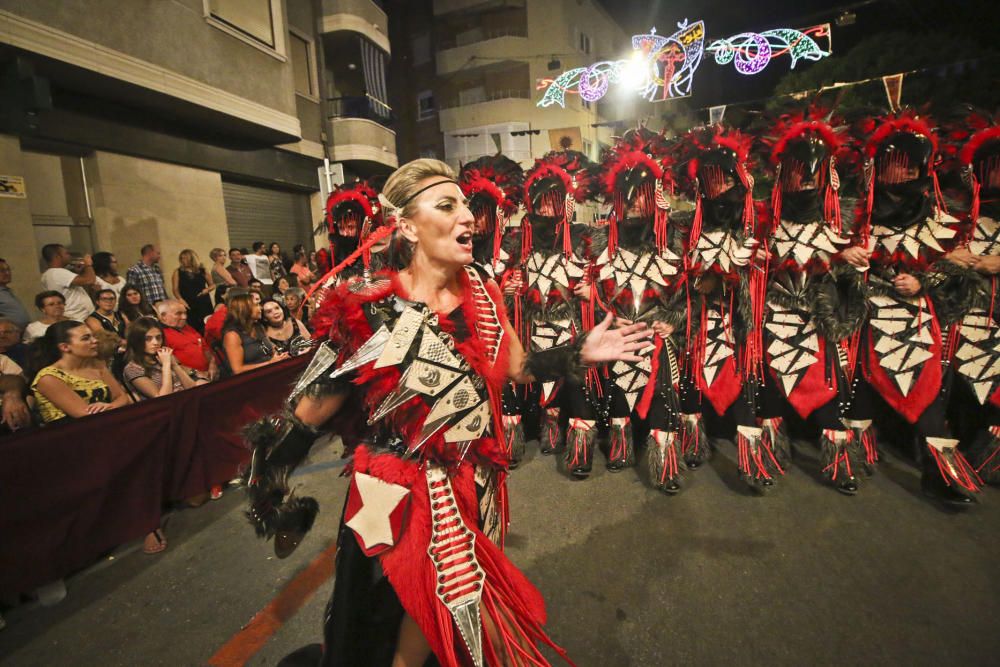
point(747, 64)
point(593, 84)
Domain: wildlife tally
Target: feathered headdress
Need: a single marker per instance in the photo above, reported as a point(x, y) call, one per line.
point(493, 186)
point(889, 168)
point(978, 168)
point(790, 130)
point(558, 181)
point(638, 166)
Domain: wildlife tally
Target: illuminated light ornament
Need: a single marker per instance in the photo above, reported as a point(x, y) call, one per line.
point(671, 61)
point(750, 52)
point(660, 68)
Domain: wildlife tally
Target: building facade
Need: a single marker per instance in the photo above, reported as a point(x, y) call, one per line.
point(187, 124)
point(466, 75)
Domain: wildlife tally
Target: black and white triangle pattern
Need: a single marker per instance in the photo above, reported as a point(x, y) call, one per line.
point(901, 334)
point(718, 344)
point(719, 247)
point(544, 271)
point(930, 232)
point(977, 357)
point(632, 378)
point(636, 270)
point(793, 344)
point(806, 241)
point(986, 237)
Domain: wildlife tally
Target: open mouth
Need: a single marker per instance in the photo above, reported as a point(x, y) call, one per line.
point(465, 240)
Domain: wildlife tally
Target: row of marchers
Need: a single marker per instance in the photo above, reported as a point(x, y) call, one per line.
point(807, 303)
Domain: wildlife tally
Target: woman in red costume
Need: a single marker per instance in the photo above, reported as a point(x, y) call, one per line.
point(411, 375)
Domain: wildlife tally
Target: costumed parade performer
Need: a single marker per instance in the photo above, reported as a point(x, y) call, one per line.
point(410, 375)
point(555, 257)
point(816, 298)
point(641, 278)
point(493, 185)
point(967, 301)
point(904, 223)
point(353, 212)
point(727, 274)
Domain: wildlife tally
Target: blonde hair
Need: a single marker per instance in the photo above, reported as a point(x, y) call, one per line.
point(192, 265)
point(405, 181)
point(216, 252)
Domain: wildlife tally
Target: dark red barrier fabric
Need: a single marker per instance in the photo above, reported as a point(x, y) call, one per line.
point(70, 492)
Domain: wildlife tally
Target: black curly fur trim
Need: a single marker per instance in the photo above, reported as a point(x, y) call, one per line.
point(838, 303)
point(954, 290)
point(556, 363)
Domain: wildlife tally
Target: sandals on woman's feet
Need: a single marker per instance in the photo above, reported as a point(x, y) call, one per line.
point(154, 542)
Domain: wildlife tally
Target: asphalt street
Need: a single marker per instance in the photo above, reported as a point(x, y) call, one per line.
point(713, 576)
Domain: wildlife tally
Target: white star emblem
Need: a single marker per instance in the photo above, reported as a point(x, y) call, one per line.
point(379, 500)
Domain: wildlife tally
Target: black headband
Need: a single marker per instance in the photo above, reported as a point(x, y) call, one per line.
point(426, 187)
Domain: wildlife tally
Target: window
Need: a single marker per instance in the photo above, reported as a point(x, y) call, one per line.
point(588, 148)
point(584, 42)
point(428, 153)
point(303, 67)
point(586, 104)
point(422, 49)
point(250, 17)
point(426, 107)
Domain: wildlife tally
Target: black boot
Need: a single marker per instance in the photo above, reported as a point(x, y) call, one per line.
point(551, 437)
point(947, 476)
point(580, 447)
point(622, 448)
point(694, 441)
point(663, 459)
point(513, 433)
point(756, 462)
point(840, 456)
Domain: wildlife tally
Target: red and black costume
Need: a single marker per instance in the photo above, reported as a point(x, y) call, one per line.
point(353, 212)
point(973, 337)
point(493, 185)
point(815, 303)
point(641, 278)
point(425, 516)
point(724, 349)
point(904, 222)
point(555, 257)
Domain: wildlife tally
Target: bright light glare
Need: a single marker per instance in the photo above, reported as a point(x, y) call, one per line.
point(635, 74)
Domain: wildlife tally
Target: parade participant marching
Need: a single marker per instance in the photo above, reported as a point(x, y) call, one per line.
point(555, 257)
point(966, 301)
point(641, 278)
point(724, 356)
point(353, 212)
point(493, 185)
point(906, 226)
point(816, 297)
point(411, 375)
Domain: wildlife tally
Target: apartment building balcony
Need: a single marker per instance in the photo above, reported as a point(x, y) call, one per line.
point(453, 6)
point(360, 131)
point(496, 106)
point(481, 48)
point(361, 16)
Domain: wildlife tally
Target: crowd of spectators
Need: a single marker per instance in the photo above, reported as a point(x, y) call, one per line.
point(101, 340)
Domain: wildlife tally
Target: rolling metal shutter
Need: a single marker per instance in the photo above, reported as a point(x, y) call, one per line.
point(263, 214)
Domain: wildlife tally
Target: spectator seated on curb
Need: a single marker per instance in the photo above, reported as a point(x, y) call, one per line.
point(52, 305)
point(286, 333)
point(244, 340)
point(10, 342)
point(189, 346)
point(151, 369)
point(15, 412)
point(132, 305)
point(75, 384)
point(295, 299)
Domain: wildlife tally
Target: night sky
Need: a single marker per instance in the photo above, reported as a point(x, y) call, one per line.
point(715, 84)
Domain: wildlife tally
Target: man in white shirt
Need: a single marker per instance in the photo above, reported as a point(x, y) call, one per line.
point(260, 266)
point(71, 285)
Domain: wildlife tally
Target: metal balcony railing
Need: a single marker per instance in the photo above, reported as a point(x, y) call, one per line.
point(490, 96)
point(475, 37)
point(361, 106)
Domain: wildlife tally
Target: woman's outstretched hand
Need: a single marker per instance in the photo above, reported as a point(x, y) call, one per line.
point(606, 344)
